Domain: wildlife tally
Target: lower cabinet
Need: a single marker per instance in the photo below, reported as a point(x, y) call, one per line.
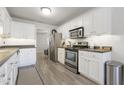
point(27, 57)
point(2, 74)
point(94, 70)
point(92, 64)
point(83, 66)
point(9, 71)
point(61, 55)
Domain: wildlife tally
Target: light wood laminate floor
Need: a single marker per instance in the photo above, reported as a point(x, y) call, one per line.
point(28, 76)
point(52, 73)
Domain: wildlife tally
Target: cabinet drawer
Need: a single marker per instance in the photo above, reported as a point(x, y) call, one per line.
point(97, 56)
point(84, 53)
point(91, 55)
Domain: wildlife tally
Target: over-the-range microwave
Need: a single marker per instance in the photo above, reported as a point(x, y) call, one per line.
point(77, 33)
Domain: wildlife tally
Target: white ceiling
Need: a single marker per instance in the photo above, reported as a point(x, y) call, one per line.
point(58, 16)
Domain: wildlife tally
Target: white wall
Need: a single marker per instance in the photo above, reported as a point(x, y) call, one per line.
point(118, 31)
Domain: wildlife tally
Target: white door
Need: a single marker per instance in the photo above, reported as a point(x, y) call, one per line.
point(42, 42)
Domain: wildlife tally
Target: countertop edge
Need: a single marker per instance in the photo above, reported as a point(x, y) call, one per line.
point(95, 51)
point(88, 50)
point(8, 56)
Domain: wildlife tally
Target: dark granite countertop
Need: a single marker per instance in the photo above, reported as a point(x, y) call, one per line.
point(96, 50)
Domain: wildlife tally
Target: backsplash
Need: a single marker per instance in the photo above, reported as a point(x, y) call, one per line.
point(15, 41)
point(103, 40)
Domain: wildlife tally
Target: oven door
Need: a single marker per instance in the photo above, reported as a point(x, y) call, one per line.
point(71, 57)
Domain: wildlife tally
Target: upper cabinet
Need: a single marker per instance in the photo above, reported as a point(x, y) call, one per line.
point(5, 20)
point(87, 22)
point(23, 30)
point(64, 29)
point(2, 14)
point(96, 21)
point(75, 23)
point(102, 21)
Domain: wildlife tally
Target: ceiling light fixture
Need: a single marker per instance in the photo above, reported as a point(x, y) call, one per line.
point(46, 10)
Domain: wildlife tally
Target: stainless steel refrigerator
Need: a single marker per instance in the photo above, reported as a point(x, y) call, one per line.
point(54, 43)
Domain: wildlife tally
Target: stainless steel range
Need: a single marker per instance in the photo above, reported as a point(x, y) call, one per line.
point(71, 57)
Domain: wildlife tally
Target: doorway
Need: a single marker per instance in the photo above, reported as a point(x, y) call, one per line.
point(42, 42)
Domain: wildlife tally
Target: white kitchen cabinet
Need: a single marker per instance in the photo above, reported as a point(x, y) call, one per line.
point(6, 21)
point(2, 14)
point(23, 30)
point(64, 32)
point(87, 19)
point(9, 70)
point(61, 55)
point(12, 69)
point(2, 74)
point(27, 57)
point(83, 65)
point(72, 24)
point(7, 28)
point(94, 68)
point(75, 23)
point(102, 21)
point(91, 65)
point(64, 29)
point(96, 21)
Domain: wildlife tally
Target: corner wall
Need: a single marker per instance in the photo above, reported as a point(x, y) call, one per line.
point(118, 30)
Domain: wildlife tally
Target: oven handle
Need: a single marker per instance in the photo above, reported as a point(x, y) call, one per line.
point(71, 52)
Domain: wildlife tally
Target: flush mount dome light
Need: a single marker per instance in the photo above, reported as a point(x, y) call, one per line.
point(46, 10)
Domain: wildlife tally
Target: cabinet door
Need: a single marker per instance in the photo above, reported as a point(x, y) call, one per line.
point(83, 66)
point(101, 20)
point(88, 23)
point(17, 30)
point(61, 55)
point(75, 23)
point(7, 25)
point(2, 74)
point(23, 30)
point(5, 20)
point(27, 57)
point(94, 70)
point(2, 14)
point(65, 31)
